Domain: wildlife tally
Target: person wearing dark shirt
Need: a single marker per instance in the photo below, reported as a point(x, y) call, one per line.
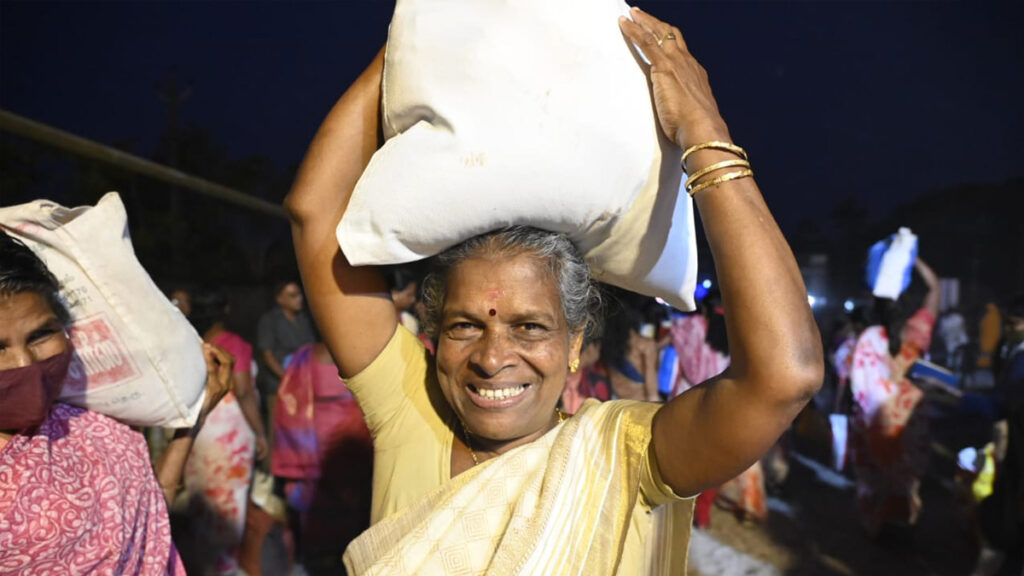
point(282, 330)
point(1001, 515)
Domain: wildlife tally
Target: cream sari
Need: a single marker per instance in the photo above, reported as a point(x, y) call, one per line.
point(583, 499)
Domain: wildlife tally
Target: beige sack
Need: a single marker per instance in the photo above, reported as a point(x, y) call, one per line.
point(137, 359)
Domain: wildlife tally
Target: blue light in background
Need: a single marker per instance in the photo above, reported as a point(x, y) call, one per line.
point(700, 292)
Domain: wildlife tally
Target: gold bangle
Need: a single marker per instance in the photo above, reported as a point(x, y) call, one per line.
point(720, 179)
point(716, 145)
point(692, 181)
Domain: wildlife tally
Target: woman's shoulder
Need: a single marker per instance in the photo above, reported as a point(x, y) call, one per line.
point(230, 341)
point(87, 426)
point(618, 416)
point(83, 416)
point(402, 352)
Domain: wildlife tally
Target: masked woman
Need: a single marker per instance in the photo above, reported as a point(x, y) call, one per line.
point(77, 492)
point(475, 470)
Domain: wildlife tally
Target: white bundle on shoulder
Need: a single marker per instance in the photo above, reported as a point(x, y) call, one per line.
point(535, 112)
point(136, 357)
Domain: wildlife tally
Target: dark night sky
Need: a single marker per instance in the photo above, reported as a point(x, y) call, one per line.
point(883, 101)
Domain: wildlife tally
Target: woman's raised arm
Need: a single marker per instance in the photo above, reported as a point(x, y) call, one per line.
point(932, 299)
point(712, 432)
point(351, 305)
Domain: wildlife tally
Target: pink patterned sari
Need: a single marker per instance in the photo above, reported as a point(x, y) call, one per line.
point(698, 362)
point(78, 496)
point(323, 450)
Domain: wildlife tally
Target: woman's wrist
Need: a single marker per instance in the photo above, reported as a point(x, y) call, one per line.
point(703, 158)
point(707, 131)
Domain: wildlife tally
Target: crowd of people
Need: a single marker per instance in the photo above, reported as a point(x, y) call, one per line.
point(892, 379)
point(499, 414)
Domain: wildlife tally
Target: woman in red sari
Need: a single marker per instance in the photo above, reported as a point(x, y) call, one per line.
point(323, 451)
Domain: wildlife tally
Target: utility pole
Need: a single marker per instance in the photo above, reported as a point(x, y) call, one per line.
point(173, 96)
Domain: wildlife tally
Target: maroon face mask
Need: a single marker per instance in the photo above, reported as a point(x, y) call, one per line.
point(27, 393)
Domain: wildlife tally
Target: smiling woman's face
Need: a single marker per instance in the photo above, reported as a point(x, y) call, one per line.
point(504, 348)
point(30, 330)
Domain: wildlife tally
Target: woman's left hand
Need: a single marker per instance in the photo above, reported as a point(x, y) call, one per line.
point(686, 108)
point(219, 368)
point(219, 381)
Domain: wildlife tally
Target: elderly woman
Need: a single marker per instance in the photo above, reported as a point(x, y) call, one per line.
point(77, 492)
point(475, 469)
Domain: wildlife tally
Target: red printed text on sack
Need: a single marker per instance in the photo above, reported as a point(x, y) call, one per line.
point(100, 357)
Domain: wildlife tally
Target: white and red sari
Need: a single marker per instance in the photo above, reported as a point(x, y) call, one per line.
point(889, 444)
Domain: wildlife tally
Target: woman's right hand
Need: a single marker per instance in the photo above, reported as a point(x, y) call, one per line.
point(686, 107)
point(262, 447)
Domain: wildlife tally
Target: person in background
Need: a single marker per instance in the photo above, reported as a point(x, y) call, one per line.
point(109, 507)
point(281, 331)
point(952, 329)
point(589, 380)
point(629, 352)
point(703, 351)
point(889, 437)
point(700, 343)
point(182, 300)
point(990, 331)
point(404, 290)
point(324, 454)
point(220, 469)
point(845, 342)
point(1001, 515)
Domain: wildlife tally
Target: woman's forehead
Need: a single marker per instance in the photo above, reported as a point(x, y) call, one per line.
point(510, 280)
point(21, 311)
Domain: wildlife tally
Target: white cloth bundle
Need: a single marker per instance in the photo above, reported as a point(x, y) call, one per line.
point(891, 263)
point(534, 112)
point(136, 357)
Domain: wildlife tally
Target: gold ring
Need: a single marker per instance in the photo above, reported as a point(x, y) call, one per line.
point(669, 36)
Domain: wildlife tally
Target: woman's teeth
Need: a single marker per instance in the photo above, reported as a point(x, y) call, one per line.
point(501, 393)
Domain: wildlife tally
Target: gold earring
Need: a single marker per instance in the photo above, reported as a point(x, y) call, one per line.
point(574, 365)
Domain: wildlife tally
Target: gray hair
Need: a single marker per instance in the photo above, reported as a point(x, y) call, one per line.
point(578, 293)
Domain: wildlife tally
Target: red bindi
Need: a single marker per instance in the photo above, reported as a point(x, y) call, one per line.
point(493, 312)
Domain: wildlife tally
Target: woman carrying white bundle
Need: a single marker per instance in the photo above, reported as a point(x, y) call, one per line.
point(77, 492)
point(475, 469)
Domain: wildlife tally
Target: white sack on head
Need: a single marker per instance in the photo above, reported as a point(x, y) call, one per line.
point(533, 112)
point(136, 357)
point(891, 264)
